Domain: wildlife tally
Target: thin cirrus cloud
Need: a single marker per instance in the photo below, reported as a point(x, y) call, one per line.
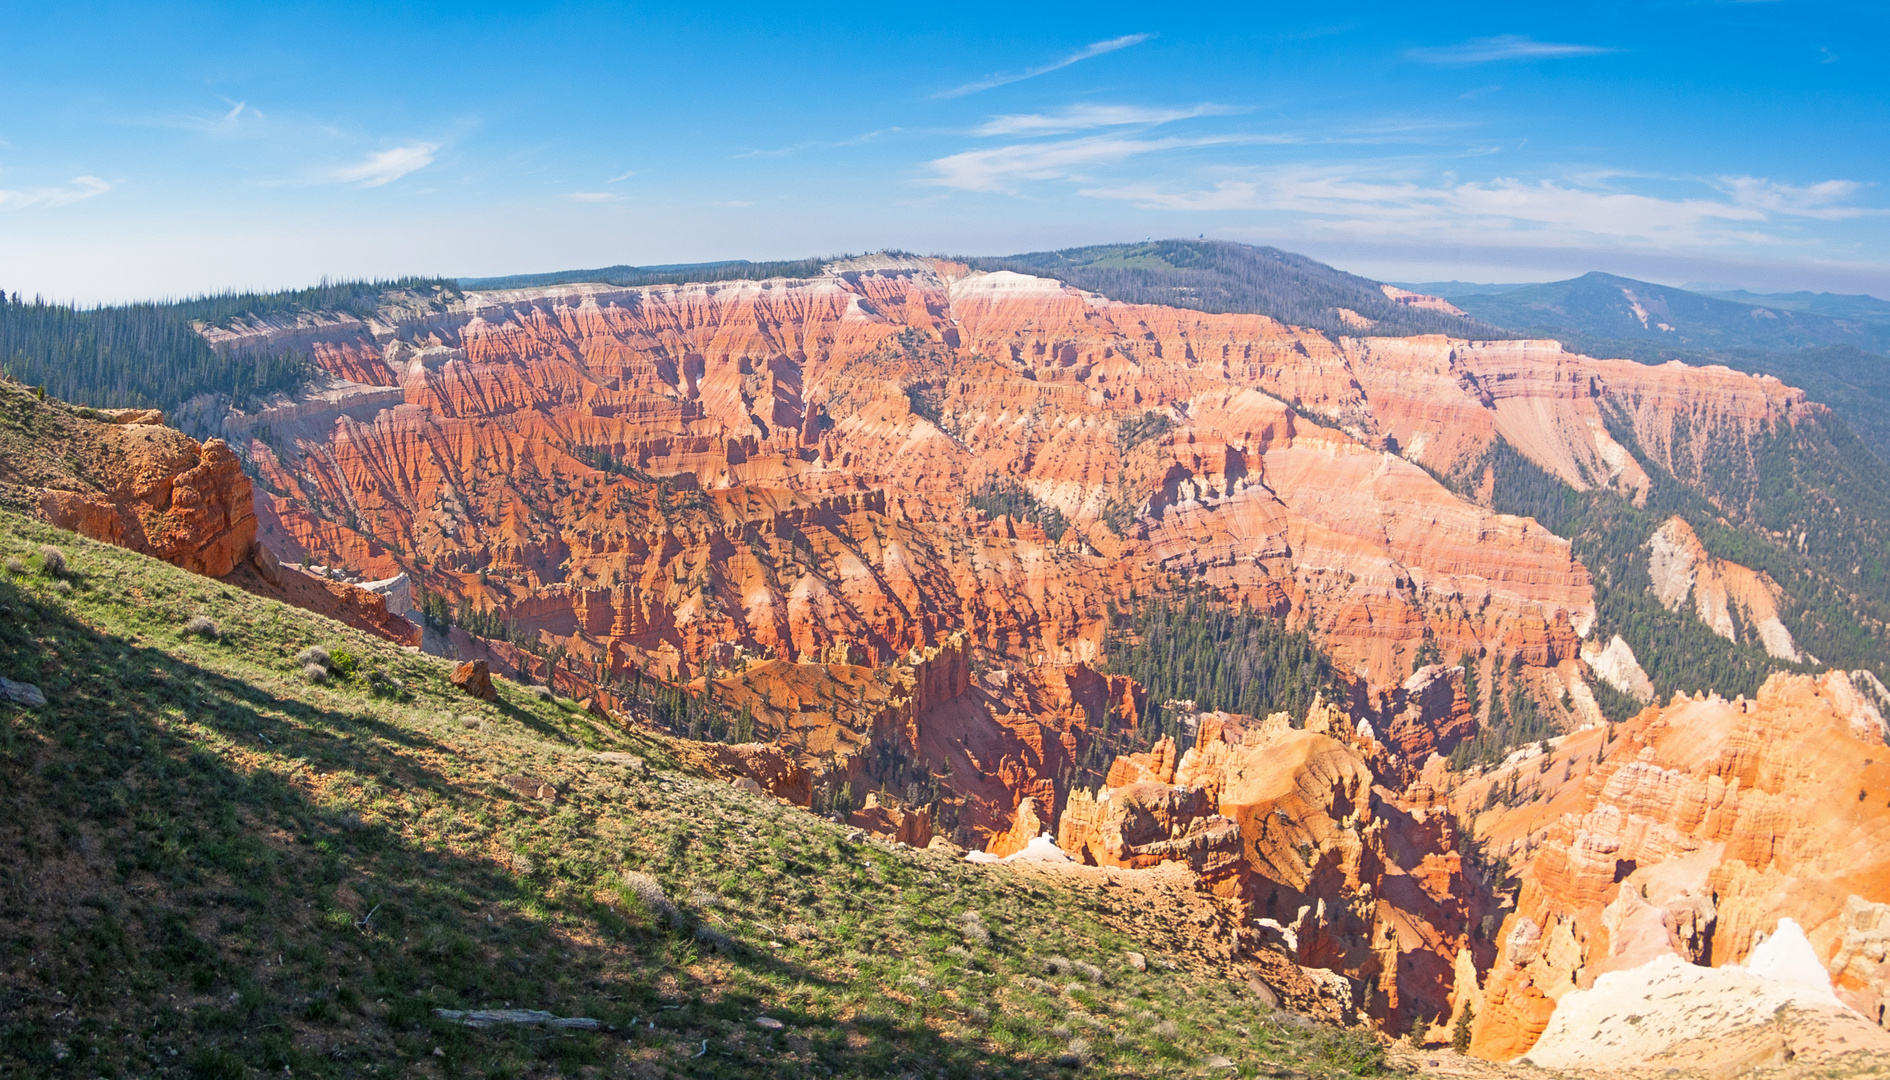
point(1503, 210)
point(1003, 168)
point(1087, 52)
point(74, 190)
point(1491, 50)
point(592, 196)
point(386, 166)
point(1089, 117)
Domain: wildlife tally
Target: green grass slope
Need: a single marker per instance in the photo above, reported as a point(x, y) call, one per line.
point(211, 866)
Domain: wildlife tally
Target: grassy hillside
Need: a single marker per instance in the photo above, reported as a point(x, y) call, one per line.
point(214, 860)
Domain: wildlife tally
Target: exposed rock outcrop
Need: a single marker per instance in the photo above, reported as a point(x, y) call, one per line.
point(1691, 832)
point(1288, 825)
point(1735, 602)
point(536, 425)
point(475, 679)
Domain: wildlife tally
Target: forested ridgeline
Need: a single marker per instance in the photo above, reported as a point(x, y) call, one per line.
point(1219, 276)
point(669, 274)
point(151, 355)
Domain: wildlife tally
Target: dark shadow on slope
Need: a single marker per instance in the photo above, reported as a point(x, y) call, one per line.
point(177, 910)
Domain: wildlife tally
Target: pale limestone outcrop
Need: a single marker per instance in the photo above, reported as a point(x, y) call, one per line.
point(1616, 665)
point(1725, 595)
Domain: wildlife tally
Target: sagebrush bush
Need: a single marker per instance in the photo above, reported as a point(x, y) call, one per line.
point(971, 925)
point(711, 938)
point(52, 560)
point(543, 693)
point(16, 565)
point(654, 900)
point(315, 673)
point(200, 626)
point(314, 654)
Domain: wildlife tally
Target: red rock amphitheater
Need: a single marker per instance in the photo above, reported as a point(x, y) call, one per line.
point(764, 487)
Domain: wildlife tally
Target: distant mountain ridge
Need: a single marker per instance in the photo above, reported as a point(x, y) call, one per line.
point(1604, 305)
point(1835, 305)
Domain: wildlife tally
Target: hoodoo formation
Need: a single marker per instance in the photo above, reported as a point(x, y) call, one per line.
point(982, 557)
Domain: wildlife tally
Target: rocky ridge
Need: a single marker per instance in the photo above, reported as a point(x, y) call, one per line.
point(1690, 831)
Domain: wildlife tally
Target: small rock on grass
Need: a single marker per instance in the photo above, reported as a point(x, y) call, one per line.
point(1137, 961)
point(21, 693)
point(481, 1018)
point(613, 757)
point(475, 678)
point(1216, 1061)
point(769, 1022)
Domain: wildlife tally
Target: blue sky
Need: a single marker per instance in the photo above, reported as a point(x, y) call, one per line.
point(152, 149)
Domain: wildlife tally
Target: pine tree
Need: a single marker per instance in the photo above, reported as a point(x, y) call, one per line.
point(1460, 1035)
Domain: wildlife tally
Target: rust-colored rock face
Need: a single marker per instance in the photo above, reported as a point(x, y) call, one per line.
point(1692, 832)
point(815, 442)
point(1288, 824)
point(647, 474)
point(475, 679)
point(156, 490)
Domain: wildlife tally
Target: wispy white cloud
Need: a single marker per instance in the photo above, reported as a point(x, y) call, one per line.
point(820, 144)
point(1823, 201)
point(1087, 52)
point(1502, 210)
point(386, 166)
point(592, 196)
point(1002, 168)
point(1088, 117)
point(1503, 47)
point(74, 190)
point(621, 177)
point(239, 118)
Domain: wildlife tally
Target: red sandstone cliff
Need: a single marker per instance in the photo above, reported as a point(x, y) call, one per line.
point(123, 477)
point(1292, 826)
point(782, 465)
point(1696, 827)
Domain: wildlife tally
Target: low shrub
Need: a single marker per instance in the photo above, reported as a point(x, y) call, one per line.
point(201, 626)
point(650, 894)
point(52, 561)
